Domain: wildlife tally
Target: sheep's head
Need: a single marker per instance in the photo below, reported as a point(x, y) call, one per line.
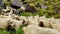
point(41, 24)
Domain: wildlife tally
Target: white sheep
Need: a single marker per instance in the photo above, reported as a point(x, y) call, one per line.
point(15, 23)
point(3, 23)
point(4, 20)
point(56, 27)
point(33, 29)
point(43, 22)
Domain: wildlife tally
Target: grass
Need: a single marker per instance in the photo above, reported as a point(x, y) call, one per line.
point(3, 32)
point(19, 31)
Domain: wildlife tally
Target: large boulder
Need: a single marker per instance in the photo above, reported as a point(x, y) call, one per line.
point(16, 4)
point(30, 8)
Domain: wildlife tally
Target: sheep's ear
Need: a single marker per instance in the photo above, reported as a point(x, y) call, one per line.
point(41, 24)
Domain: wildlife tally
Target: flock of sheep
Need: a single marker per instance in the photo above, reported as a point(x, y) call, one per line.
point(34, 24)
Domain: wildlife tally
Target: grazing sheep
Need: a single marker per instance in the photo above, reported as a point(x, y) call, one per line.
point(33, 29)
point(56, 27)
point(3, 23)
point(4, 20)
point(36, 18)
point(24, 18)
point(16, 17)
point(50, 23)
point(57, 21)
point(30, 20)
point(43, 22)
point(15, 23)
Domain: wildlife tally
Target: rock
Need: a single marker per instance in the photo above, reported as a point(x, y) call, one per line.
point(38, 5)
point(44, 7)
point(33, 29)
point(57, 9)
point(16, 4)
point(30, 8)
point(1, 8)
point(8, 0)
point(1, 5)
point(22, 0)
point(17, 12)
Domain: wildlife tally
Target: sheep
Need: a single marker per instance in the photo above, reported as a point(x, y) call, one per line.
point(6, 19)
point(3, 23)
point(47, 22)
point(33, 29)
point(16, 17)
point(55, 24)
point(43, 22)
point(30, 20)
point(57, 21)
point(36, 18)
point(24, 18)
point(51, 23)
point(56, 27)
point(7, 11)
point(15, 23)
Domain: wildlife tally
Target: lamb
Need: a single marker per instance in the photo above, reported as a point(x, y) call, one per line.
point(33, 29)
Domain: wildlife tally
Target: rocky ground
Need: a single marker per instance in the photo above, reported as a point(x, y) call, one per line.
point(29, 17)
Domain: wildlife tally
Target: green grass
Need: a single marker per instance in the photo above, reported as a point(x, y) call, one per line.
point(19, 31)
point(3, 32)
